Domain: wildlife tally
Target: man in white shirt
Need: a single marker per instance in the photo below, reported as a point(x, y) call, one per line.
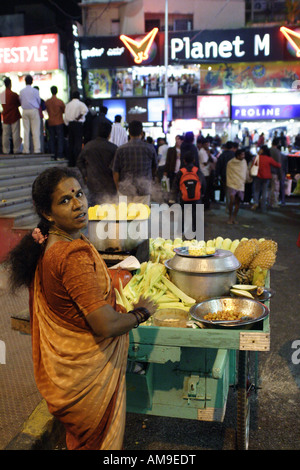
point(74, 118)
point(30, 102)
point(162, 151)
point(118, 134)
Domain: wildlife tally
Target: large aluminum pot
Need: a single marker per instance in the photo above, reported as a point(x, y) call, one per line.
point(204, 277)
point(117, 235)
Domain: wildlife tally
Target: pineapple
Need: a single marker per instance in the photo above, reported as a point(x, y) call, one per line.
point(264, 259)
point(245, 252)
point(268, 245)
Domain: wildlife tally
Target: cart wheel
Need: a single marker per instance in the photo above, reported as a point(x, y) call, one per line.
point(243, 403)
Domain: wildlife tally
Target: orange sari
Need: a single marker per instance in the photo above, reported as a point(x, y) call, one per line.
point(80, 375)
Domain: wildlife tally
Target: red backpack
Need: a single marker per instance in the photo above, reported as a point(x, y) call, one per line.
point(189, 185)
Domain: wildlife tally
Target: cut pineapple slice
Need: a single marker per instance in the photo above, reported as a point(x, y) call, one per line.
point(248, 287)
point(241, 293)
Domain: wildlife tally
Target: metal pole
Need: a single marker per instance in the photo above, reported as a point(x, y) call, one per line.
point(166, 56)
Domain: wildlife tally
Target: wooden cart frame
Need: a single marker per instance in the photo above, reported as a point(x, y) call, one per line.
point(187, 372)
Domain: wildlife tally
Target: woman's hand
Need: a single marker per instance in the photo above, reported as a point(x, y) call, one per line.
point(146, 303)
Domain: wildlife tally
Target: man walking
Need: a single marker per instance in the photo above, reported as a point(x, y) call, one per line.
point(134, 166)
point(11, 119)
point(75, 112)
point(30, 102)
point(94, 163)
point(56, 108)
point(118, 134)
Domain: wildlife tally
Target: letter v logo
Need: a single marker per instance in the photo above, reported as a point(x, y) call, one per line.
point(139, 49)
point(293, 38)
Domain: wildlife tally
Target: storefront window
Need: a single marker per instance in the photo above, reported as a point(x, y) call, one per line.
point(140, 81)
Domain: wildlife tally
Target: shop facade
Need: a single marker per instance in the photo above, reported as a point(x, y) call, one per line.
point(247, 65)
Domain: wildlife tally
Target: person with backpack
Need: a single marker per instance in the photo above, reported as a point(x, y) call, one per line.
point(189, 185)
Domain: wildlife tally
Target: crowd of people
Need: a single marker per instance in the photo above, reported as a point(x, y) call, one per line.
point(116, 161)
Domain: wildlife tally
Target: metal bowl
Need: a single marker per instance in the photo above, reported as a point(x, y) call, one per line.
point(204, 278)
point(253, 311)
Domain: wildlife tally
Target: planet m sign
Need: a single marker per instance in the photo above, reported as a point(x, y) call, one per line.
point(246, 45)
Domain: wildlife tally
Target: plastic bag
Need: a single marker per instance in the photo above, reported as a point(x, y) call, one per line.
point(165, 183)
point(254, 168)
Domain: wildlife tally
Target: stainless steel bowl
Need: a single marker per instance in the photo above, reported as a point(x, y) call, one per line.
point(204, 278)
point(252, 310)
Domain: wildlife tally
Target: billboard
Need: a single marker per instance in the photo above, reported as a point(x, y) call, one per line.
point(115, 107)
point(266, 106)
point(29, 53)
point(213, 107)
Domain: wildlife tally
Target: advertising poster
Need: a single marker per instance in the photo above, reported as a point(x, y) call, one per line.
point(213, 107)
point(98, 84)
point(247, 76)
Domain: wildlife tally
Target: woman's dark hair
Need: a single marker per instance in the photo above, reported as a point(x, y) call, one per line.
point(265, 149)
point(22, 260)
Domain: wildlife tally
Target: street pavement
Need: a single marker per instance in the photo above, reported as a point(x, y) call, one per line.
point(275, 410)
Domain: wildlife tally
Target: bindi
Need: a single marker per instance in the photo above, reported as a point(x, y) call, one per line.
point(72, 190)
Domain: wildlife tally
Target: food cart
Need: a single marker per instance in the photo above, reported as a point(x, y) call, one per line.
point(187, 372)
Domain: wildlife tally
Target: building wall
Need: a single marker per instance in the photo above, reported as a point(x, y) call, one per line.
point(219, 14)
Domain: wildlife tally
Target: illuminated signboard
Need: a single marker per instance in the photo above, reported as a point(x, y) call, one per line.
point(266, 106)
point(115, 107)
point(293, 38)
point(29, 53)
point(140, 48)
point(213, 107)
point(155, 108)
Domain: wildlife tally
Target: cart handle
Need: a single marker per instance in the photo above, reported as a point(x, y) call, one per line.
point(219, 364)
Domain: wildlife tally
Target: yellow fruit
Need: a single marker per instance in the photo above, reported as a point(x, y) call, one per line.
point(226, 244)
point(248, 287)
point(268, 245)
point(234, 245)
point(241, 293)
point(264, 259)
point(210, 250)
point(218, 242)
point(245, 252)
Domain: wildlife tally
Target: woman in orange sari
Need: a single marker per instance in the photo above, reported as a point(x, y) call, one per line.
point(79, 339)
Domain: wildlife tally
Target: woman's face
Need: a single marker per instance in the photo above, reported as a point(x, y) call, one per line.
point(69, 209)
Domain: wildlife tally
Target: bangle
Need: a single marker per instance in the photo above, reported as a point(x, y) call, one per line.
point(141, 314)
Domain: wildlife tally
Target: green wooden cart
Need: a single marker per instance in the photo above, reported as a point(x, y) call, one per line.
point(188, 372)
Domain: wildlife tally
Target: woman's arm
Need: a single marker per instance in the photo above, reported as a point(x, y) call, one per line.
point(106, 322)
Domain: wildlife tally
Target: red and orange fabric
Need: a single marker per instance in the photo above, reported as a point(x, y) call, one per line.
point(80, 375)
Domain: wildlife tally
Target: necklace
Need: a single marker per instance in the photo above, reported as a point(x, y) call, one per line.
point(60, 234)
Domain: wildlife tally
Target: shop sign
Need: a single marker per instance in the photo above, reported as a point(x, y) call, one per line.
point(77, 58)
point(124, 51)
point(249, 44)
point(29, 53)
point(140, 49)
point(266, 106)
point(216, 107)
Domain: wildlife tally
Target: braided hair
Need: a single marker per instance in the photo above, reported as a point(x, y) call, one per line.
point(23, 259)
